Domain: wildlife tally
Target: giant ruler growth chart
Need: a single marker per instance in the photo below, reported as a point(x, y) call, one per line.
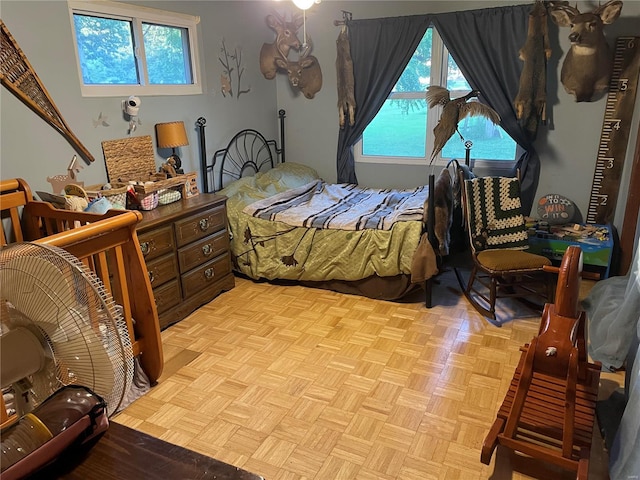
point(616, 128)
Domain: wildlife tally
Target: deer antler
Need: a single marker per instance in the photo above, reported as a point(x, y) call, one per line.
point(297, 19)
point(564, 6)
point(278, 16)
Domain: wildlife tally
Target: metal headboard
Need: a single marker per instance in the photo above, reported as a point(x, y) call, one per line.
point(247, 153)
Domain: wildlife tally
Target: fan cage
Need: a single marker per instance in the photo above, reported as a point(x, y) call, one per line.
point(76, 317)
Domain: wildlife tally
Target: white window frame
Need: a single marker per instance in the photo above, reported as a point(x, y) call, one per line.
point(439, 67)
point(137, 15)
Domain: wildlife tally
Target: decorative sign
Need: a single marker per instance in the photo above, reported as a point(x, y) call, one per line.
point(555, 209)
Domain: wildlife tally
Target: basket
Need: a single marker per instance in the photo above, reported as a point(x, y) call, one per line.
point(142, 201)
point(168, 195)
point(148, 201)
point(132, 160)
point(129, 159)
point(117, 194)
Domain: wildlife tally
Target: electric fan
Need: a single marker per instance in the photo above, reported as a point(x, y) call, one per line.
point(59, 326)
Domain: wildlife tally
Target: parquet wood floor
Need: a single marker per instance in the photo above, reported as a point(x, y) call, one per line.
point(297, 383)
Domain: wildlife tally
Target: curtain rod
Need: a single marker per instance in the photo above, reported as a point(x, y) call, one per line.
point(346, 18)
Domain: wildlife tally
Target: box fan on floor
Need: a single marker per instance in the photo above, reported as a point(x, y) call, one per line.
point(66, 357)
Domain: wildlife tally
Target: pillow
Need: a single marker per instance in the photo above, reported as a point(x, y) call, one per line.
point(237, 185)
point(286, 176)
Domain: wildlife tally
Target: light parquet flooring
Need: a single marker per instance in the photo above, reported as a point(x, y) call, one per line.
point(297, 383)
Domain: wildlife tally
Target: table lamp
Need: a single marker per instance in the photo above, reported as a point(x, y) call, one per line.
point(172, 135)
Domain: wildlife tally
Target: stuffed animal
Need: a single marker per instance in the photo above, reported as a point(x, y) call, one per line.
point(531, 101)
point(168, 167)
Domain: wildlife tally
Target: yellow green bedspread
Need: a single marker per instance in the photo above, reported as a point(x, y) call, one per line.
point(263, 249)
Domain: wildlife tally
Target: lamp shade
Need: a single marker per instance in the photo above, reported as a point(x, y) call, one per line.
point(171, 135)
point(303, 4)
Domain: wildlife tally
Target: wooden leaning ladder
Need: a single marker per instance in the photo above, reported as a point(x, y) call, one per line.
point(549, 409)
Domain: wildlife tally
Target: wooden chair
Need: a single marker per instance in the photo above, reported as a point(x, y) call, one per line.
point(549, 410)
point(497, 238)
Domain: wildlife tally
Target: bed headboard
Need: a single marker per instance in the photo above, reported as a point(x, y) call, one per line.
point(247, 153)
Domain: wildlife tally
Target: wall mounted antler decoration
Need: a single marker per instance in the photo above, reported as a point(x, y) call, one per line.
point(286, 39)
point(304, 73)
point(587, 66)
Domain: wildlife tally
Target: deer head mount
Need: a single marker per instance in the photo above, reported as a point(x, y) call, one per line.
point(587, 66)
point(304, 74)
point(286, 39)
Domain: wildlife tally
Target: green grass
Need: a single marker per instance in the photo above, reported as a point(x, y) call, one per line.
point(393, 133)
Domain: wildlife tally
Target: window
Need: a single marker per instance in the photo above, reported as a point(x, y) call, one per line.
point(402, 131)
point(125, 49)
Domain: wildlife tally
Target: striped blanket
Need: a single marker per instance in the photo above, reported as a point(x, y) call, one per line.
point(341, 206)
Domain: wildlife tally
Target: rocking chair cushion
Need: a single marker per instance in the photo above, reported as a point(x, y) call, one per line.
point(511, 260)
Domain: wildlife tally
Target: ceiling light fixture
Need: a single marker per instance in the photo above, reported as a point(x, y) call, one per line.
point(303, 4)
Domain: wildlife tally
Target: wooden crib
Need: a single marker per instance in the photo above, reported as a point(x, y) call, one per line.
point(107, 244)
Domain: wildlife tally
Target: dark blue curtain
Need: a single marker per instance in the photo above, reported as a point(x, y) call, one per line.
point(380, 49)
point(484, 44)
point(488, 56)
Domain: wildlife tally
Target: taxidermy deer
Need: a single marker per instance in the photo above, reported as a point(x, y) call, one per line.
point(530, 103)
point(305, 74)
point(286, 39)
point(344, 69)
point(587, 65)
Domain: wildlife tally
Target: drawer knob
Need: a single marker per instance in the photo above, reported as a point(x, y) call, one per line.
point(204, 224)
point(206, 250)
point(209, 273)
point(145, 247)
point(151, 277)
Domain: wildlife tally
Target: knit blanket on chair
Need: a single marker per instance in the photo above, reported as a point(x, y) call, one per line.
point(495, 217)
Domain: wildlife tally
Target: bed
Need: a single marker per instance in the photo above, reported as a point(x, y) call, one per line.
point(107, 244)
point(378, 256)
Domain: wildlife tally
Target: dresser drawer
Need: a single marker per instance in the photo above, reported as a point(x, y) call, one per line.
point(162, 269)
point(203, 250)
point(209, 273)
point(156, 242)
point(199, 226)
point(167, 295)
point(186, 249)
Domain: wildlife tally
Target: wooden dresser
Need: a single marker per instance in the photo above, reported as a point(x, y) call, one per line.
point(186, 249)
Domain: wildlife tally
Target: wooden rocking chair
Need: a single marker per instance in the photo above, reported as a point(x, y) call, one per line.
point(498, 239)
point(549, 410)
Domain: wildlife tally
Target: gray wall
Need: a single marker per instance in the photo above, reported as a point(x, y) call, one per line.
point(33, 150)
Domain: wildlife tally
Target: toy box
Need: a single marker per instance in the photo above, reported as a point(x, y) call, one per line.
point(597, 252)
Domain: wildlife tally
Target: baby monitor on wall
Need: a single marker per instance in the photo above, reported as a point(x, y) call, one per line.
point(131, 107)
